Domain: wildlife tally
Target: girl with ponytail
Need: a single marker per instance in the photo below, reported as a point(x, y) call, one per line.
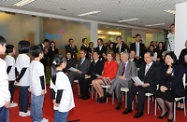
point(61, 91)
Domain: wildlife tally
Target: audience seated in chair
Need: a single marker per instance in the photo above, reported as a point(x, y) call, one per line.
point(83, 67)
point(171, 85)
point(149, 74)
point(180, 105)
point(109, 73)
point(126, 70)
point(71, 62)
point(96, 67)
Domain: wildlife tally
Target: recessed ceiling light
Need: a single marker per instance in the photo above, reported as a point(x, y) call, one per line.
point(89, 13)
point(155, 24)
point(128, 20)
point(113, 33)
point(23, 2)
point(170, 11)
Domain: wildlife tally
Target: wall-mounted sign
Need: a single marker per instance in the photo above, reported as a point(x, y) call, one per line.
point(53, 36)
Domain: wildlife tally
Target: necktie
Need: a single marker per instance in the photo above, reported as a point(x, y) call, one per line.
point(137, 49)
point(119, 49)
point(124, 66)
point(147, 69)
point(82, 60)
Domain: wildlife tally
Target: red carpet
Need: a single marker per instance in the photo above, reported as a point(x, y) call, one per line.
point(90, 111)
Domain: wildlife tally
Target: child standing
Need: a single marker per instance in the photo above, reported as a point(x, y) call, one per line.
point(37, 85)
point(61, 91)
point(4, 92)
point(10, 50)
point(22, 79)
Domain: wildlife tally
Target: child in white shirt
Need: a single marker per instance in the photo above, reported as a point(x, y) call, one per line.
point(61, 91)
point(22, 77)
point(10, 50)
point(37, 85)
point(4, 91)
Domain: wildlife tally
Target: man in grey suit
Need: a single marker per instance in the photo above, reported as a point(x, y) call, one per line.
point(126, 70)
point(83, 67)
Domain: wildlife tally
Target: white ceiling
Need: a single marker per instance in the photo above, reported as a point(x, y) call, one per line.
point(148, 11)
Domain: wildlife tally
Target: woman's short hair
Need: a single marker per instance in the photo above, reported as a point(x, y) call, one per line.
point(111, 53)
point(173, 56)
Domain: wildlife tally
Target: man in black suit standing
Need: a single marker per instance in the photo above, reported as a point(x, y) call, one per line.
point(83, 67)
point(139, 48)
point(120, 46)
point(100, 48)
point(149, 74)
point(44, 47)
point(72, 48)
point(84, 47)
point(96, 67)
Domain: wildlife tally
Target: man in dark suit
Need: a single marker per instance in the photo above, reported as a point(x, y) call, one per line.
point(72, 48)
point(83, 67)
point(44, 47)
point(182, 54)
point(139, 48)
point(96, 67)
point(84, 47)
point(132, 58)
point(126, 70)
point(100, 48)
point(149, 74)
point(120, 46)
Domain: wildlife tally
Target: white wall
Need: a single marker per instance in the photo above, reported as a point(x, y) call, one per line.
point(180, 27)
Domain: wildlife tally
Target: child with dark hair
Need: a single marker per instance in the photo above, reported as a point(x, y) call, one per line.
point(61, 91)
point(22, 77)
point(4, 92)
point(37, 85)
point(10, 50)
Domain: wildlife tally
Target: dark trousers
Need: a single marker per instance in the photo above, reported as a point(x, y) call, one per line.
point(4, 114)
point(23, 98)
point(74, 76)
point(141, 96)
point(85, 85)
point(11, 89)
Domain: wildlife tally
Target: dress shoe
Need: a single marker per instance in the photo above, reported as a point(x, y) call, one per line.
point(162, 116)
point(127, 111)
point(138, 115)
point(101, 99)
point(170, 120)
point(108, 94)
point(118, 107)
point(86, 97)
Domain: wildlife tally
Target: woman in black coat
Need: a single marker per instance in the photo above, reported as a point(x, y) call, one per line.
point(52, 51)
point(171, 85)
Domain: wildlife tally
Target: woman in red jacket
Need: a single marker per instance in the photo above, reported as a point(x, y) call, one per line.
point(109, 73)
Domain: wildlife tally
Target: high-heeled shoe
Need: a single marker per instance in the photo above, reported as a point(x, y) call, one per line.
point(170, 120)
point(162, 116)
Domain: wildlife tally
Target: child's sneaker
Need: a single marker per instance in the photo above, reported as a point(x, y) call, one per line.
point(23, 114)
point(13, 105)
point(44, 120)
point(20, 113)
